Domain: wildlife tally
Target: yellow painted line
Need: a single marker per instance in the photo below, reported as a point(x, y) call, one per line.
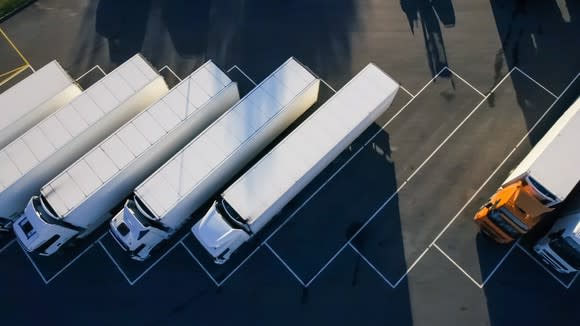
point(15, 48)
point(14, 74)
point(13, 70)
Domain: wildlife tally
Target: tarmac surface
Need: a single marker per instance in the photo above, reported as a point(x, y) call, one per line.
point(384, 235)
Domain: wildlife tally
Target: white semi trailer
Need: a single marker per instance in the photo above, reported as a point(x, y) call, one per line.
point(84, 196)
point(33, 99)
point(246, 206)
point(46, 149)
point(165, 201)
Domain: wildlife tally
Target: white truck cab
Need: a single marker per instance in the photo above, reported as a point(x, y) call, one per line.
point(560, 247)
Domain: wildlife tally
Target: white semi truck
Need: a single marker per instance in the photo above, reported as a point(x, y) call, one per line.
point(560, 247)
point(84, 196)
point(33, 99)
point(542, 180)
point(34, 158)
point(165, 201)
point(246, 206)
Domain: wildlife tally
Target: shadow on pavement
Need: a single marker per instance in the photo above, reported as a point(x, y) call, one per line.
point(430, 13)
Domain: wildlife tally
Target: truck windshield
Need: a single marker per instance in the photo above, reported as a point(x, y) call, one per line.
point(143, 214)
point(229, 214)
point(44, 210)
point(496, 218)
point(568, 249)
point(514, 218)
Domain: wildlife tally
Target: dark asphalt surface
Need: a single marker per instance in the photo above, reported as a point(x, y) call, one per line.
point(439, 150)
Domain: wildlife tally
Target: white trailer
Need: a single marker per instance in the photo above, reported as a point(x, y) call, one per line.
point(46, 149)
point(246, 206)
point(560, 248)
point(33, 99)
point(164, 202)
point(85, 195)
point(551, 167)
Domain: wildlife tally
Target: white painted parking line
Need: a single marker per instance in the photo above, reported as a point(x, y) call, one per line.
point(328, 85)
point(285, 265)
point(465, 81)
point(156, 262)
point(500, 262)
point(371, 265)
point(89, 71)
point(35, 267)
point(412, 266)
point(200, 264)
point(171, 71)
point(115, 263)
point(7, 245)
point(71, 262)
point(573, 280)
point(536, 82)
point(243, 73)
point(406, 91)
point(240, 265)
point(458, 267)
point(543, 266)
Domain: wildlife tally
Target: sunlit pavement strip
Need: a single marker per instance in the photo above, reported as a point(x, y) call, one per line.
point(348, 243)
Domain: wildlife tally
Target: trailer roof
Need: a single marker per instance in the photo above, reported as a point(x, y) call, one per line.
point(100, 165)
point(32, 91)
point(555, 160)
point(197, 161)
point(262, 185)
point(56, 130)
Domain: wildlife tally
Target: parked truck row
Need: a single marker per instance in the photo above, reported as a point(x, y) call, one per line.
point(129, 152)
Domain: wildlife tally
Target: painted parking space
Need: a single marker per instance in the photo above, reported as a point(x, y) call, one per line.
point(507, 125)
point(327, 222)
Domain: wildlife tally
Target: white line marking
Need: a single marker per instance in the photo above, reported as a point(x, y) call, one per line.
point(171, 71)
point(465, 81)
point(86, 73)
point(412, 266)
point(7, 245)
point(77, 257)
point(573, 279)
point(327, 263)
point(243, 73)
point(458, 267)
point(70, 263)
point(200, 264)
point(406, 91)
point(115, 263)
point(240, 265)
point(156, 262)
point(500, 262)
point(31, 68)
point(101, 70)
point(537, 83)
point(371, 265)
point(285, 265)
point(328, 85)
point(543, 266)
point(35, 267)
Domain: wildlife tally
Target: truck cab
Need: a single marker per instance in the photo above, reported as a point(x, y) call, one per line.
point(513, 210)
point(36, 230)
point(220, 230)
point(560, 247)
point(136, 230)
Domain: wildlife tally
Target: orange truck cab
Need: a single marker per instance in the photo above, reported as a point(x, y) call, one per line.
point(542, 180)
point(510, 212)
